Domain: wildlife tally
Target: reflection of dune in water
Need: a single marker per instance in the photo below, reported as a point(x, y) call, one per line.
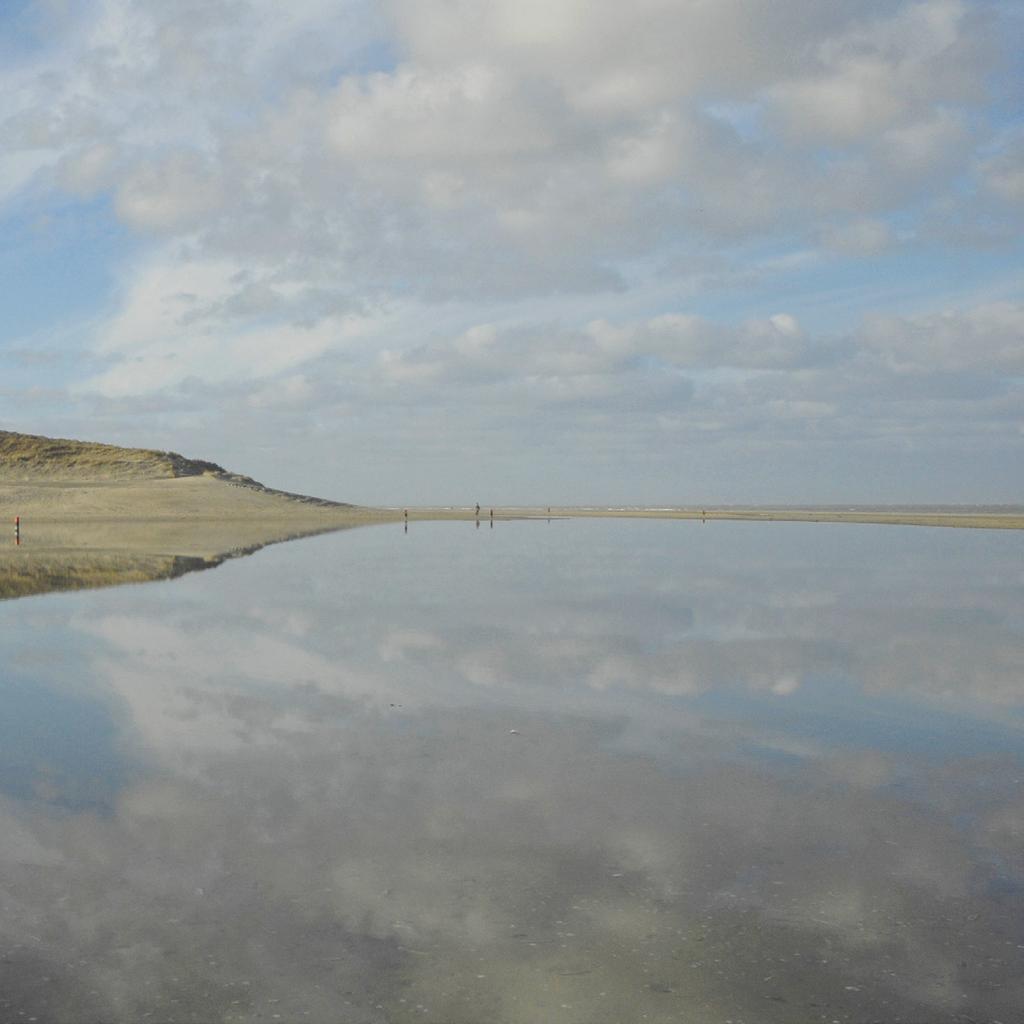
point(41, 574)
point(62, 557)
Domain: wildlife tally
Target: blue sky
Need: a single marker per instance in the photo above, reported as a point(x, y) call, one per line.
point(523, 251)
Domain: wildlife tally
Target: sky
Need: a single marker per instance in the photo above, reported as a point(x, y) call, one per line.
point(523, 251)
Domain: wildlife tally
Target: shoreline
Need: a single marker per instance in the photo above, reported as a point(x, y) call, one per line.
point(129, 510)
point(964, 518)
point(207, 515)
point(109, 538)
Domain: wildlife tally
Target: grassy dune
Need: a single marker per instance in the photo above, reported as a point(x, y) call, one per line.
point(27, 457)
point(50, 481)
point(59, 478)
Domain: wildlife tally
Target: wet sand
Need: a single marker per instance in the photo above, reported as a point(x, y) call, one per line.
point(192, 499)
point(208, 516)
point(995, 518)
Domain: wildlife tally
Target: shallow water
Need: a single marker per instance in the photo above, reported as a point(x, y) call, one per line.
point(585, 771)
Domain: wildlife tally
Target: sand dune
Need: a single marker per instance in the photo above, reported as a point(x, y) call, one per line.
point(98, 515)
point(77, 485)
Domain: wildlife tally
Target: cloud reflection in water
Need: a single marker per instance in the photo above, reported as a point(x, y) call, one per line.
point(579, 772)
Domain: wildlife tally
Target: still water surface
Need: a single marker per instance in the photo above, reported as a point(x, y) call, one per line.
point(569, 771)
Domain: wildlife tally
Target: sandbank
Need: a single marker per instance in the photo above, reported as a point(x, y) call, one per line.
point(975, 517)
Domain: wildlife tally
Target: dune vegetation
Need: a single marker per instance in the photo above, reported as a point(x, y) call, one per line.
point(27, 457)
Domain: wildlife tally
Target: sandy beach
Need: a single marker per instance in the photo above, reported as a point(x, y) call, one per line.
point(97, 515)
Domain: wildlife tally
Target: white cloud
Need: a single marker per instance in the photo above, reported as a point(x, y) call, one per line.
point(200, 320)
point(919, 148)
point(986, 339)
point(1003, 172)
point(88, 170)
point(573, 135)
point(434, 185)
point(17, 170)
point(174, 195)
point(859, 238)
point(884, 72)
point(486, 353)
point(445, 118)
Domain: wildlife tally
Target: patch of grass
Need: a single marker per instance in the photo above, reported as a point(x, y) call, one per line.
point(29, 457)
